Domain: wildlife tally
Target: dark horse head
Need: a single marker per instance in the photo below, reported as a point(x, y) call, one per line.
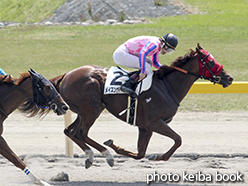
point(211, 70)
point(45, 97)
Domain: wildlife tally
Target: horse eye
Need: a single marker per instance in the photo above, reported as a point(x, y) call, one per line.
point(48, 87)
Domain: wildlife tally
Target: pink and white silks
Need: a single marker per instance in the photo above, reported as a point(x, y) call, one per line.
point(134, 52)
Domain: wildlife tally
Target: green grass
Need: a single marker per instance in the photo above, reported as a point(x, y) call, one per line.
point(221, 28)
point(27, 10)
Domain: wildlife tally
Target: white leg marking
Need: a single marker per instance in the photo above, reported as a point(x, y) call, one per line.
point(34, 178)
point(90, 159)
point(109, 157)
point(90, 155)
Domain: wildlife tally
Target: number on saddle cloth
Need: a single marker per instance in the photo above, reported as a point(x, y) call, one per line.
point(117, 76)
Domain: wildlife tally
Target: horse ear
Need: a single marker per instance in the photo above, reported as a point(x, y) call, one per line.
point(199, 46)
point(33, 73)
point(198, 49)
point(32, 70)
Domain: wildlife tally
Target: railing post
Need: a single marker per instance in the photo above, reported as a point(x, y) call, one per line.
point(68, 141)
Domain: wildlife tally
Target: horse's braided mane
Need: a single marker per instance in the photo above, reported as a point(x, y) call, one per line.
point(179, 62)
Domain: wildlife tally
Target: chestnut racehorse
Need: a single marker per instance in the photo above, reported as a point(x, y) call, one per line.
point(36, 96)
point(83, 91)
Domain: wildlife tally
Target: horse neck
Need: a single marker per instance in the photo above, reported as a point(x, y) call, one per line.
point(181, 83)
point(13, 97)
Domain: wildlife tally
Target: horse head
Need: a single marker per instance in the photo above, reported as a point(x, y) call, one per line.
point(45, 94)
point(210, 69)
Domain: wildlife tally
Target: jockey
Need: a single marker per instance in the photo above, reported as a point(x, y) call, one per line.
point(2, 72)
point(134, 52)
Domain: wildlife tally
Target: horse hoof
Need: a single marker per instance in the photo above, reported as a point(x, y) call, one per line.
point(153, 157)
point(44, 183)
point(109, 142)
point(88, 163)
point(110, 162)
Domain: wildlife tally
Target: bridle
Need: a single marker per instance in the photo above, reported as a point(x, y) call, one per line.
point(38, 93)
point(40, 100)
point(215, 78)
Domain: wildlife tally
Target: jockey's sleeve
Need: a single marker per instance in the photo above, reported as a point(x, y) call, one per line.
point(2, 72)
point(155, 60)
point(147, 50)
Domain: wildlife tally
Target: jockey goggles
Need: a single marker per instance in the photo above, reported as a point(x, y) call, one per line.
point(168, 49)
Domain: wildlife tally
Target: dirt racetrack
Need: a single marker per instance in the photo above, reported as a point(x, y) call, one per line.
point(214, 148)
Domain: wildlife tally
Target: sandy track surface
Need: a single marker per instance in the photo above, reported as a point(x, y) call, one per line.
point(214, 143)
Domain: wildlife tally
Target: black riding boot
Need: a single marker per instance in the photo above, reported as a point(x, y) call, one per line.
point(130, 85)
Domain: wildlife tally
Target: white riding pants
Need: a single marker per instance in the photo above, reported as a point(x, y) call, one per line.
point(122, 57)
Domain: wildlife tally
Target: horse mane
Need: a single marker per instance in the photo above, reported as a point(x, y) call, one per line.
point(23, 77)
point(179, 62)
point(14, 81)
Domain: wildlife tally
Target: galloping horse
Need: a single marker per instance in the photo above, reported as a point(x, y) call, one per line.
point(36, 96)
point(83, 91)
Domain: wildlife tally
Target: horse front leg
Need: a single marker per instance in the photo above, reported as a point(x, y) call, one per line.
point(72, 132)
point(163, 128)
point(6, 152)
point(144, 138)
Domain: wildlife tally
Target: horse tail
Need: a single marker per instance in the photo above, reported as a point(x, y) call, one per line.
point(57, 81)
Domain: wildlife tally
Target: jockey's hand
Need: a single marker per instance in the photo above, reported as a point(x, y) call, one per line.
point(141, 76)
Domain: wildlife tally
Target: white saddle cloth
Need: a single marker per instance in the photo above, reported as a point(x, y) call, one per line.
point(117, 76)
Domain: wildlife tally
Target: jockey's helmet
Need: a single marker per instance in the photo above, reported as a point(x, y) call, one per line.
point(170, 40)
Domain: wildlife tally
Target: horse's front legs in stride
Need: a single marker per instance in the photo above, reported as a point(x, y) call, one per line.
point(162, 128)
point(12, 157)
point(144, 138)
point(80, 136)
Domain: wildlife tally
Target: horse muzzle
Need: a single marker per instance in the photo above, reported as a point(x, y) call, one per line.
point(227, 82)
point(59, 110)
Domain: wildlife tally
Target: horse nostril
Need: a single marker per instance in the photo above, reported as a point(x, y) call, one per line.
point(54, 106)
point(230, 78)
point(65, 108)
